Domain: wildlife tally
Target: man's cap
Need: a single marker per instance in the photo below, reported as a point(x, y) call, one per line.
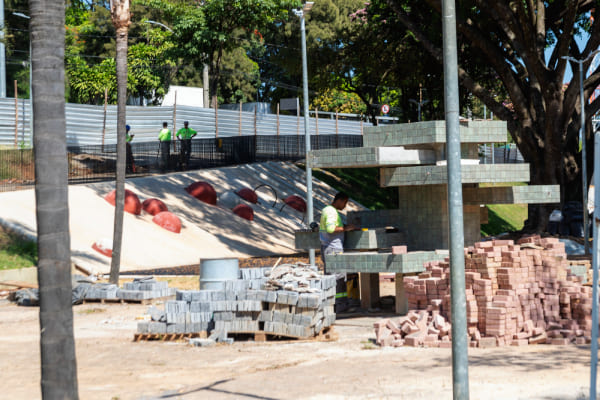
point(186, 122)
point(127, 127)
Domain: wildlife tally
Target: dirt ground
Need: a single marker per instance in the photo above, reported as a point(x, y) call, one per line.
point(112, 366)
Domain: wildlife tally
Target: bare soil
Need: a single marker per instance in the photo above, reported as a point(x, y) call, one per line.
point(112, 366)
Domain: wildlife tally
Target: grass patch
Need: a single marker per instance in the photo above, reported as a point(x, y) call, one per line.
point(361, 184)
point(16, 164)
point(16, 252)
point(504, 218)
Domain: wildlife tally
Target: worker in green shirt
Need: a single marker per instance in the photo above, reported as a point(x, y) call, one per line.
point(164, 136)
point(331, 228)
point(331, 235)
point(128, 153)
point(185, 135)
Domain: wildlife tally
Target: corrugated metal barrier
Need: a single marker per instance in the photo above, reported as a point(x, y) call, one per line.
point(91, 125)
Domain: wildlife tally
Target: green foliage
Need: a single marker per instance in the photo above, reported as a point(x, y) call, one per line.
point(336, 100)
point(362, 184)
point(16, 252)
point(504, 218)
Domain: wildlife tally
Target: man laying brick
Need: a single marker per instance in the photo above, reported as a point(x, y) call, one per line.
point(331, 235)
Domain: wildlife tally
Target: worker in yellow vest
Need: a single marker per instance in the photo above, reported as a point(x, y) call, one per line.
point(331, 235)
point(164, 136)
point(186, 134)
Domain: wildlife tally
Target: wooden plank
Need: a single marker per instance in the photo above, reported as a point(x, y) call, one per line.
point(369, 289)
point(19, 284)
point(401, 299)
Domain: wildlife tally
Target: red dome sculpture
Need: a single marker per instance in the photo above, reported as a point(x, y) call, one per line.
point(104, 247)
point(203, 191)
point(168, 221)
point(296, 202)
point(154, 206)
point(132, 202)
point(248, 194)
point(244, 211)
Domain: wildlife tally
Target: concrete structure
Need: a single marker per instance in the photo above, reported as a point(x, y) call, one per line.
point(412, 157)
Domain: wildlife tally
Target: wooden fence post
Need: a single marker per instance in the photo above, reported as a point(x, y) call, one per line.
point(173, 138)
point(216, 116)
point(240, 128)
point(278, 149)
point(337, 133)
point(104, 117)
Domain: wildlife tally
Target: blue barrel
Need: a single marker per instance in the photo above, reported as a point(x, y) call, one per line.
point(215, 271)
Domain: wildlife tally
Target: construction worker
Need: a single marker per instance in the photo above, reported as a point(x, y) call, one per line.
point(331, 235)
point(186, 134)
point(129, 154)
point(164, 137)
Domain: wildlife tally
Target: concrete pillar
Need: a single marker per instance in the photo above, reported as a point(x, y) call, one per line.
point(401, 300)
point(369, 289)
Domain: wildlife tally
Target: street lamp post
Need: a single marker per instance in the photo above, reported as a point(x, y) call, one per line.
point(309, 201)
point(20, 14)
point(586, 235)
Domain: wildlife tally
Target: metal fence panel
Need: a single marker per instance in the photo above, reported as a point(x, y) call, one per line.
point(90, 125)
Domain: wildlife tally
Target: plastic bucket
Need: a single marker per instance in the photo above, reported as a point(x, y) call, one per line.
point(215, 271)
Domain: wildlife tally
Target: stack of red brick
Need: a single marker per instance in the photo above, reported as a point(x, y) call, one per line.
point(516, 294)
point(414, 329)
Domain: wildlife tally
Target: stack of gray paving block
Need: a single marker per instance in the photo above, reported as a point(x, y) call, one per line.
point(145, 289)
point(102, 291)
point(243, 306)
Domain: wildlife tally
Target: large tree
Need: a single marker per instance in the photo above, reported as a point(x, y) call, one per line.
point(512, 59)
point(58, 361)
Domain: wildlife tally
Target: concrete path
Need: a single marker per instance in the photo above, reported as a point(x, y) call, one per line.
point(207, 231)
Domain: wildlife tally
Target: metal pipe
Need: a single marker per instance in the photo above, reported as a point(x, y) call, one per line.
point(309, 200)
point(596, 254)
point(460, 359)
point(2, 54)
point(586, 236)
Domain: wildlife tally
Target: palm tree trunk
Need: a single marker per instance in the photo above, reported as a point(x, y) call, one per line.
point(58, 360)
point(121, 20)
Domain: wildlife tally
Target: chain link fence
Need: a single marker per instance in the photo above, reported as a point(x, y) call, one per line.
point(92, 163)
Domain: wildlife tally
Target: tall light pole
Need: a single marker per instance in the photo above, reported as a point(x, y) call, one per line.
point(20, 14)
point(309, 202)
point(586, 235)
point(205, 89)
point(2, 53)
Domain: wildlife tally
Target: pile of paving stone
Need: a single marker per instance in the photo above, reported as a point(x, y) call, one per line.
point(288, 300)
point(516, 294)
point(145, 288)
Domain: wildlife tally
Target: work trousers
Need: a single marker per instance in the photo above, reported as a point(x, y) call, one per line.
point(165, 154)
point(186, 151)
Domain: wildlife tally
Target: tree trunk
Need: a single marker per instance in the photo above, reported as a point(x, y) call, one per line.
point(57, 345)
point(121, 20)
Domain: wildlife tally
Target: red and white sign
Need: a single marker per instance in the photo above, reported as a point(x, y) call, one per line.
point(385, 109)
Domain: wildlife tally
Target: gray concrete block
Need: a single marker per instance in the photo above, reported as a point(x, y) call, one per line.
point(157, 327)
point(183, 295)
point(282, 297)
point(176, 328)
point(156, 314)
point(270, 296)
point(223, 316)
point(142, 327)
point(202, 342)
point(292, 298)
point(265, 316)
